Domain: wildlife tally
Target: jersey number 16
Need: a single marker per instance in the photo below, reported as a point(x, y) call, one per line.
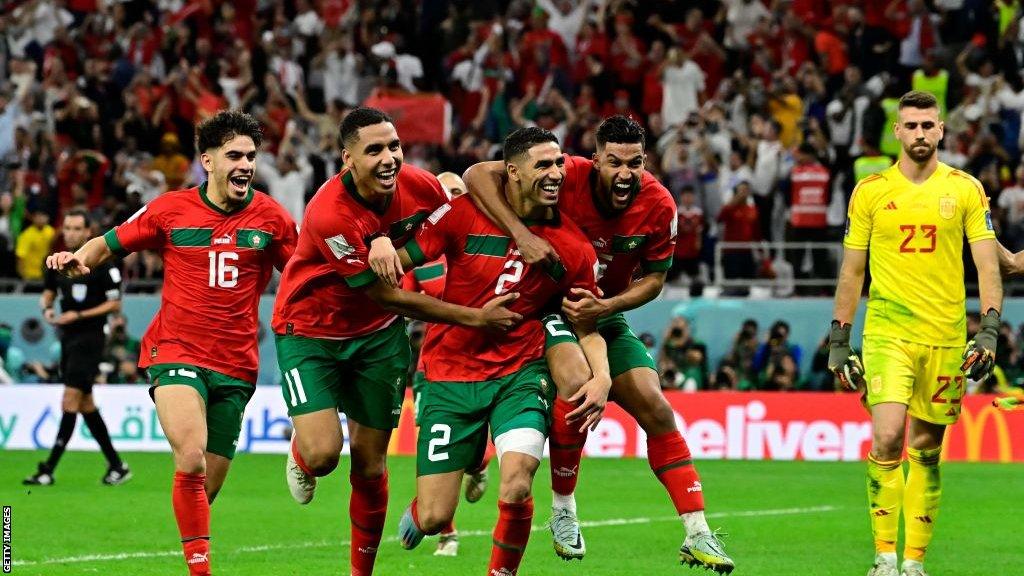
point(222, 273)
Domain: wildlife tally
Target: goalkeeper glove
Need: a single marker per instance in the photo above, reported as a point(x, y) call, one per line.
point(842, 361)
point(980, 354)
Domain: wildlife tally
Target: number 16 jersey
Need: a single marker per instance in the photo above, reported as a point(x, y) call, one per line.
point(216, 266)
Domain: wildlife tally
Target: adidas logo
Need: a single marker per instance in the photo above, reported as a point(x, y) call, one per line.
point(925, 519)
point(197, 558)
point(882, 513)
point(563, 472)
point(696, 487)
point(890, 206)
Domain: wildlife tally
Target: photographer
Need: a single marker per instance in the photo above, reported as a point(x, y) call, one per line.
point(683, 361)
point(777, 361)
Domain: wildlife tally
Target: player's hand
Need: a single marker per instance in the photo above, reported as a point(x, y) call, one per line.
point(50, 316)
point(842, 361)
point(594, 394)
point(587, 308)
point(384, 261)
point(68, 318)
point(536, 249)
point(495, 314)
point(980, 354)
point(67, 264)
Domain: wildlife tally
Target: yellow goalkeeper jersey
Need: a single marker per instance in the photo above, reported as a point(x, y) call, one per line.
point(915, 236)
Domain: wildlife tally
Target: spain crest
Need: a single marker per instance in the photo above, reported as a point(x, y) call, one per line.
point(947, 207)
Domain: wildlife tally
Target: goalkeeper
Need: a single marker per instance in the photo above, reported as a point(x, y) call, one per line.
point(913, 218)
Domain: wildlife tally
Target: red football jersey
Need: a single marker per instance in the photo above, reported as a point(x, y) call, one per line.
point(643, 235)
point(483, 262)
point(429, 279)
point(312, 300)
point(216, 266)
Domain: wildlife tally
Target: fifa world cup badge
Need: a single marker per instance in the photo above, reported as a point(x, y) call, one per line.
point(947, 207)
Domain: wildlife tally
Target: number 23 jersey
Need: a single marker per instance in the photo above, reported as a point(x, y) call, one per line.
point(216, 266)
point(915, 236)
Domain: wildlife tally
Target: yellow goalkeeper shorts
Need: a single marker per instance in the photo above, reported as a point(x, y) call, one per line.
point(927, 379)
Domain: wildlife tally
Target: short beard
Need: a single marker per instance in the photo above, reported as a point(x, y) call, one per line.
point(918, 157)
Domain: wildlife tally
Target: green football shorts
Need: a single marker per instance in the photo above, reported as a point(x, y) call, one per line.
point(625, 350)
point(363, 377)
point(225, 398)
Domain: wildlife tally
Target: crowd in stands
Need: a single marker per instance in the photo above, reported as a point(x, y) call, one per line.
point(770, 361)
point(751, 106)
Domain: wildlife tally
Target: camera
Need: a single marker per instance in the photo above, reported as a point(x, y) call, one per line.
point(676, 333)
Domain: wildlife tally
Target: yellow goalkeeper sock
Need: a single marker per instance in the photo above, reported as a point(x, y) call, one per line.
point(885, 496)
point(921, 501)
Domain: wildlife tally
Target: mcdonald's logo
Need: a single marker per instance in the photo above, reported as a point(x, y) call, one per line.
point(974, 428)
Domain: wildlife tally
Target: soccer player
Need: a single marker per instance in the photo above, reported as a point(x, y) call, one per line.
point(913, 217)
point(220, 242)
point(84, 303)
point(476, 380)
point(340, 342)
point(429, 279)
point(630, 219)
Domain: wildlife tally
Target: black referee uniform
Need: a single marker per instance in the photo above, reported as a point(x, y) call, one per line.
point(82, 343)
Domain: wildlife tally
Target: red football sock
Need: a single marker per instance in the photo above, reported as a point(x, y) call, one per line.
point(566, 449)
point(367, 508)
point(449, 528)
point(669, 457)
point(298, 458)
point(192, 511)
point(510, 536)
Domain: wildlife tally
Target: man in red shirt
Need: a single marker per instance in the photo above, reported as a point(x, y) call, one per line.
point(809, 195)
point(630, 219)
point(219, 243)
point(340, 343)
point(690, 228)
point(476, 380)
point(741, 223)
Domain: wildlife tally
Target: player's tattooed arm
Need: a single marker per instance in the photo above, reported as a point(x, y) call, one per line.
point(484, 182)
point(79, 263)
point(1010, 264)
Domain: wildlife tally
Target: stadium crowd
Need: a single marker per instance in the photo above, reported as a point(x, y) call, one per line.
point(98, 100)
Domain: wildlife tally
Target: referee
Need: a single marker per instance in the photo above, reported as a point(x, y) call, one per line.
point(85, 303)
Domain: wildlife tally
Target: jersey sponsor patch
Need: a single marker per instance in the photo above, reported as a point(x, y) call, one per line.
point(439, 213)
point(339, 246)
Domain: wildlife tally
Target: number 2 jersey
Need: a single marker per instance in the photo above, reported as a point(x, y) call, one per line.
point(915, 235)
point(641, 236)
point(483, 263)
point(216, 266)
point(322, 288)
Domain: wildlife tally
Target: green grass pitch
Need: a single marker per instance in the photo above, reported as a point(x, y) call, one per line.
point(783, 518)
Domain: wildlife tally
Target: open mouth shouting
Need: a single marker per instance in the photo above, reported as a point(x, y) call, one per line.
point(387, 177)
point(239, 183)
point(622, 191)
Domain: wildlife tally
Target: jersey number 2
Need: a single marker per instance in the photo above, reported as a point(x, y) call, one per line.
point(222, 273)
point(514, 274)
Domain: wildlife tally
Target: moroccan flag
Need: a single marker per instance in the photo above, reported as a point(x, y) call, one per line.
point(424, 117)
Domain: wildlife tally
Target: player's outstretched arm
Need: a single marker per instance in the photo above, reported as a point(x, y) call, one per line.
point(841, 360)
point(492, 316)
point(79, 263)
point(594, 393)
point(484, 182)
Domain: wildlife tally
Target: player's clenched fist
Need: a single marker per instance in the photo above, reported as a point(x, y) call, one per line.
point(66, 263)
point(980, 355)
point(842, 361)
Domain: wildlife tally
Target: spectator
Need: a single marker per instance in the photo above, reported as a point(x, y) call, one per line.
point(777, 361)
point(689, 237)
point(810, 193)
point(33, 246)
point(171, 163)
point(683, 87)
point(1010, 212)
point(736, 370)
point(739, 218)
point(683, 360)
